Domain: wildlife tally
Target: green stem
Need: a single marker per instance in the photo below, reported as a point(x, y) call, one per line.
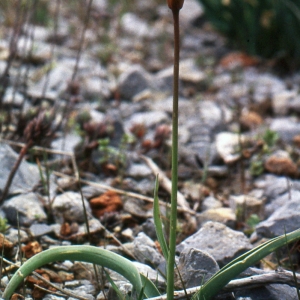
point(173, 217)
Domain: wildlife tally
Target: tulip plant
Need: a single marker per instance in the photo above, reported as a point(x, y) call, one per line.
point(143, 286)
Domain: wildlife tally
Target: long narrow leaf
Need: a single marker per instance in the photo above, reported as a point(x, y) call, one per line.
point(238, 265)
point(158, 223)
point(88, 254)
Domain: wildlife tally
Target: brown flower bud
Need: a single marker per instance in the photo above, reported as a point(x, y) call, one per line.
point(175, 5)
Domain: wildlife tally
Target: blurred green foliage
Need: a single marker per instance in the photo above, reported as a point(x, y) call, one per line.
point(266, 28)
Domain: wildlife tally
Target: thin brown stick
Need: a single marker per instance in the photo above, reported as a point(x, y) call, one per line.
point(166, 183)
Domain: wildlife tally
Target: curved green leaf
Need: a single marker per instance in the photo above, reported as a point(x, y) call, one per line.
point(238, 265)
point(88, 254)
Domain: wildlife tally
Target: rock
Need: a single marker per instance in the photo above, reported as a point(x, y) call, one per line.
point(136, 26)
point(5, 243)
point(53, 297)
point(190, 73)
point(280, 201)
point(133, 81)
point(148, 119)
point(287, 128)
point(67, 207)
point(223, 243)
point(149, 228)
point(37, 230)
point(250, 120)
point(83, 288)
point(13, 98)
point(13, 235)
point(194, 191)
point(66, 143)
point(95, 87)
point(151, 274)
point(244, 206)
point(100, 5)
point(275, 186)
point(138, 171)
point(227, 144)
point(280, 101)
point(145, 250)
point(56, 83)
point(281, 165)
point(190, 11)
point(163, 81)
point(210, 203)
point(29, 208)
point(284, 219)
point(270, 292)
point(25, 178)
point(195, 268)
point(137, 208)
point(223, 215)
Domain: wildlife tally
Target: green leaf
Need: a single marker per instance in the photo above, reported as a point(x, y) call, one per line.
point(238, 265)
point(88, 254)
point(158, 223)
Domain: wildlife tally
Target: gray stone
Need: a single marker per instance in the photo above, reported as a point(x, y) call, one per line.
point(53, 297)
point(37, 230)
point(13, 98)
point(83, 288)
point(29, 208)
point(195, 267)
point(244, 206)
point(287, 128)
point(270, 292)
point(227, 144)
point(95, 88)
point(223, 215)
point(280, 101)
point(163, 81)
point(13, 236)
point(280, 201)
point(151, 274)
point(133, 81)
point(66, 143)
point(223, 243)
point(149, 119)
point(210, 203)
point(25, 178)
point(138, 170)
point(284, 219)
point(275, 186)
point(136, 26)
point(68, 207)
point(190, 11)
point(136, 208)
point(145, 250)
point(149, 228)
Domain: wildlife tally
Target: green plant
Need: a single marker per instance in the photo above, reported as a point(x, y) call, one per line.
point(141, 284)
point(265, 28)
point(269, 139)
point(3, 225)
point(112, 154)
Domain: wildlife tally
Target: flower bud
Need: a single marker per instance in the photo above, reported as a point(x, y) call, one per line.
point(175, 5)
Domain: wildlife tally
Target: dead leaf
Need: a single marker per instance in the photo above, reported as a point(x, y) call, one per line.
point(107, 202)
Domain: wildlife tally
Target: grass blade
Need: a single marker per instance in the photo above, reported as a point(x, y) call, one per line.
point(158, 223)
point(238, 265)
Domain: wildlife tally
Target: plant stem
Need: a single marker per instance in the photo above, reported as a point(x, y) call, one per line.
point(173, 217)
